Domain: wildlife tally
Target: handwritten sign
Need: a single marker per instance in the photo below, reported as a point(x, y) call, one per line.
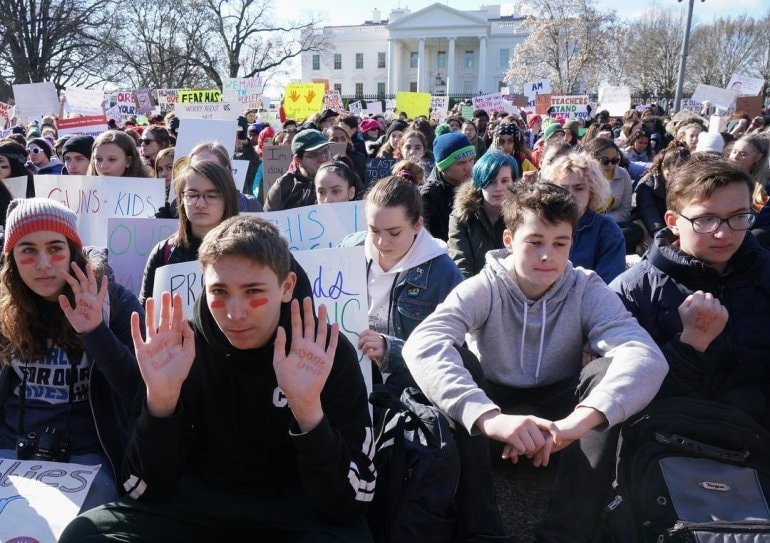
point(188, 96)
point(690, 105)
point(183, 278)
point(92, 125)
point(466, 112)
point(276, 160)
point(113, 114)
point(378, 168)
point(355, 107)
point(439, 105)
point(542, 104)
point(221, 111)
point(317, 227)
point(96, 199)
point(167, 99)
point(573, 106)
point(301, 100)
point(35, 100)
point(616, 100)
point(84, 101)
point(413, 104)
point(38, 499)
point(489, 102)
point(240, 167)
point(744, 85)
point(126, 104)
point(721, 98)
point(5, 113)
point(129, 243)
point(245, 92)
point(333, 101)
point(143, 100)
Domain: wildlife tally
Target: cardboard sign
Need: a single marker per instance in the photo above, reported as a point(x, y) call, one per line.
point(616, 100)
point(84, 101)
point(378, 168)
point(542, 104)
point(143, 100)
point(751, 105)
point(36, 100)
point(126, 105)
point(92, 125)
point(220, 111)
point(439, 106)
point(333, 101)
point(97, 199)
point(489, 102)
point(38, 499)
point(198, 96)
point(17, 186)
point(413, 104)
point(276, 160)
point(721, 98)
point(244, 92)
point(745, 86)
point(570, 106)
point(301, 100)
point(130, 241)
point(113, 114)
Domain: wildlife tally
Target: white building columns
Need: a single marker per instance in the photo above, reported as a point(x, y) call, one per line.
point(482, 64)
point(421, 64)
point(392, 85)
point(450, 76)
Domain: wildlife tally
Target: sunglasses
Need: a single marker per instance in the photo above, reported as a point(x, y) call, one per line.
point(606, 161)
point(34, 150)
point(145, 141)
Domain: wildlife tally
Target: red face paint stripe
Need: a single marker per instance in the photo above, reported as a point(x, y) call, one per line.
point(217, 304)
point(258, 302)
point(58, 258)
point(27, 261)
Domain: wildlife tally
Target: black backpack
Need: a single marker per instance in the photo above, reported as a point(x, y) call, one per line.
point(691, 470)
point(418, 470)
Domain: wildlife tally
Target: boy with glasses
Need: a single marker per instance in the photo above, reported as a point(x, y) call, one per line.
point(296, 188)
point(702, 291)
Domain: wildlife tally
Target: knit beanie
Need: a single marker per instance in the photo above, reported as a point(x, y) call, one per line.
point(78, 144)
point(29, 215)
point(442, 129)
point(451, 148)
point(708, 142)
point(551, 130)
point(533, 119)
point(396, 126)
point(43, 144)
point(547, 121)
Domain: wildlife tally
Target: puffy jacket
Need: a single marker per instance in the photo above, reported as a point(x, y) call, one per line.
point(651, 202)
point(437, 200)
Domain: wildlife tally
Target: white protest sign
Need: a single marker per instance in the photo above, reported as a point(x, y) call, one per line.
point(35, 100)
point(533, 88)
point(616, 100)
point(143, 100)
point(244, 92)
point(195, 131)
point(690, 105)
point(113, 113)
point(338, 278)
point(125, 103)
point(38, 499)
point(317, 227)
point(222, 111)
point(17, 186)
point(721, 98)
point(439, 105)
point(745, 86)
point(570, 106)
point(96, 199)
point(374, 108)
point(356, 108)
point(130, 242)
point(489, 102)
point(240, 167)
point(183, 278)
point(92, 125)
point(84, 101)
point(167, 99)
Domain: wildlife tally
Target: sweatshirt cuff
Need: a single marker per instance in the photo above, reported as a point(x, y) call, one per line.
point(158, 426)
point(99, 339)
point(607, 405)
point(314, 443)
point(471, 408)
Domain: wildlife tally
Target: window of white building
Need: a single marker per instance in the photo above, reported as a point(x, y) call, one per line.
point(468, 86)
point(337, 61)
point(468, 59)
point(505, 56)
point(441, 59)
point(381, 59)
point(316, 62)
point(413, 58)
point(359, 90)
point(359, 61)
point(380, 89)
point(338, 87)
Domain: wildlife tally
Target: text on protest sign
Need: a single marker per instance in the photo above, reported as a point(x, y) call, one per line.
point(126, 104)
point(245, 92)
point(333, 101)
point(38, 498)
point(489, 102)
point(195, 96)
point(276, 160)
point(378, 168)
point(96, 199)
point(721, 98)
point(220, 111)
point(439, 106)
point(301, 100)
point(92, 125)
point(143, 100)
point(167, 99)
point(183, 278)
point(573, 106)
point(745, 86)
point(356, 108)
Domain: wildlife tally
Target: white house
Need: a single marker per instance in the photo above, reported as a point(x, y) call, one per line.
point(437, 49)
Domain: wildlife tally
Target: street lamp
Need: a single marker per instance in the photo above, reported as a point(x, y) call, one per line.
point(683, 58)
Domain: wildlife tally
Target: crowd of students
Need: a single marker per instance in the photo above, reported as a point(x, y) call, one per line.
point(499, 283)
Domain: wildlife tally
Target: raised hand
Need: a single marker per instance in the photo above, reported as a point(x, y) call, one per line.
point(166, 355)
point(302, 373)
point(703, 319)
point(87, 313)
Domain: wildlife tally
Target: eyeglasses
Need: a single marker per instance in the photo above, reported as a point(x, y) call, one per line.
point(323, 153)
point(146, 141)
point(34, 150)
point(709, 223)
point(211, 197)
point(606, 161)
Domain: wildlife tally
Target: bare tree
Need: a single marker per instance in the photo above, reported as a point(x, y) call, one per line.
point(568, 43)
point(760, 67)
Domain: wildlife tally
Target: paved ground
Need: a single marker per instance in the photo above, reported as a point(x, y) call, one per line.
point(522, 495)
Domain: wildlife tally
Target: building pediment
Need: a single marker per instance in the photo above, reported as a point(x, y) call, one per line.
point(437, 16)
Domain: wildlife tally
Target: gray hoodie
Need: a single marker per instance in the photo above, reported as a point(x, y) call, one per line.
point(523, 344)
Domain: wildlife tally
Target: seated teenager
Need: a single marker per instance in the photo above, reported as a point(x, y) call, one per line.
point(526, 318)
point(255, 423)
point(703, 289)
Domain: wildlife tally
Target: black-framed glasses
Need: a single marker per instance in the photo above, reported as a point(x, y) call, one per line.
point(710, 223)
point(606, 161)
point(211, 197)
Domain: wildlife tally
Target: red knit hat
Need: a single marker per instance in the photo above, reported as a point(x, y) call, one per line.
point(29, 215)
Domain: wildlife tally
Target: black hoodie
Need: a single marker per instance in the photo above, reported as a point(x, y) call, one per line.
point(233, 430)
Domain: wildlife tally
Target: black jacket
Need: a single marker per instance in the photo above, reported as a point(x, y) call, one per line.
point(290, 190)
point(651, 202)
point(437, 200)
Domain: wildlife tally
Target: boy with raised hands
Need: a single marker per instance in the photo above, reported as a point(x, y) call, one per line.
point(239, 437)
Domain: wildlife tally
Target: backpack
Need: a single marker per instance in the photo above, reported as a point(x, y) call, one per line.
point(691, 470)
point(418, 468)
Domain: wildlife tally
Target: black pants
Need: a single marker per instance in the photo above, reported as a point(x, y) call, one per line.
point(585, 471)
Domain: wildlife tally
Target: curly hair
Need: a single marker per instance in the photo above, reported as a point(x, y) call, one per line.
point(587, 168)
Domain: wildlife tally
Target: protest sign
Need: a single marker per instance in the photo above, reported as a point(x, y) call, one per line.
point(197, 96)
point(5, 113)
point(690, 105)
point(542, 104)
point(222, 111)
point(616, 100)
point(92, 125)
point(745, 86)
point(439, 106)
point(750, 105)
point(413, 104)
point(721, 98)
point(84, 101)
point(374, 107)
point(333, 101)
point(338, 278)
point(167, 99)
point(183, 278)
point(466, 112)
point(489, 102)
point(130, 242)
point(36, 100)
point(126, 104)
point(519, 100)
point(573, 106)
point(143, 100)
point(113, 114)
point(244, 92)
point(324, 82)
point(356, 108)
point(240, 167)
point(301, 100)
point(276, 160)
point(195, 131)
point(96, 199)
point(377, 168)
point(39, 498)
point(532, 89)
point(17, 186)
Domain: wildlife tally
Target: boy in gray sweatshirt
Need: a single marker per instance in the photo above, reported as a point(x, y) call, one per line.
point(526, 319)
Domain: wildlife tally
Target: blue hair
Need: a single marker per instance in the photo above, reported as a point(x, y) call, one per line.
point(486, 168)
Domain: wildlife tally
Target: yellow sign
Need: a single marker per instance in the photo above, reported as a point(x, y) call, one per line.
point(302, 100)
point(413, 104)
point(198, 96)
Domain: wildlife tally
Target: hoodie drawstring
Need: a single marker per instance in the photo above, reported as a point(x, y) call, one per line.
point(543, 318)
point(542, 338)
point(523, 334)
